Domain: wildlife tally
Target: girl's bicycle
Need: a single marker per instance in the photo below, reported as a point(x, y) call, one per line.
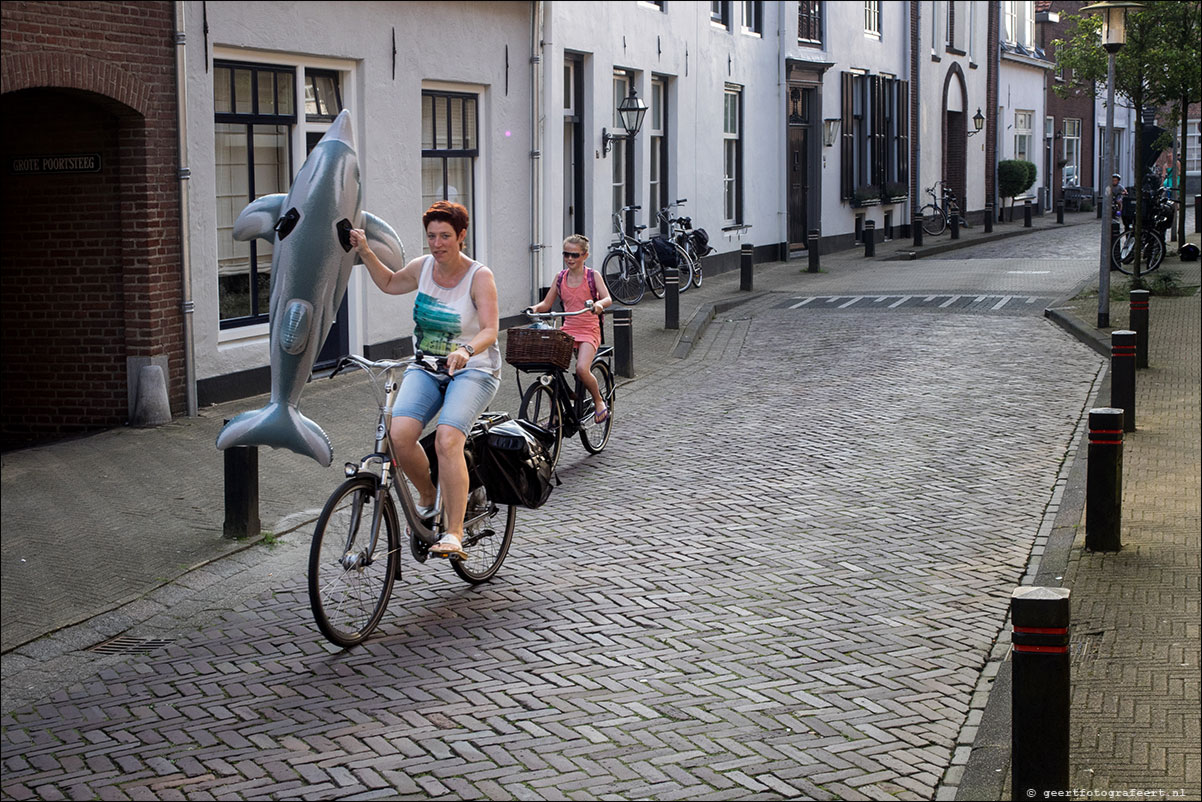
point(557, 407)
point(631, 266)
point(355, 554)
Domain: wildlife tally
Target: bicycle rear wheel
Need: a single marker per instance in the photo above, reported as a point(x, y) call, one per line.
point(350, 582)
point(487, 533)
point(934, 222)
point(539, 405)
point(684, 267)
point(696, 257)
point(595, 435)
point(1122, 253)
point(655, 272)
point(622, 276)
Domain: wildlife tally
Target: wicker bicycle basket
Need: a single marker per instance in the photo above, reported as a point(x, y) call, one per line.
point(534, 348)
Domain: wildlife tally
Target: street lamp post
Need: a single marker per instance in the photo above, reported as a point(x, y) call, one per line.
point(1114, 36)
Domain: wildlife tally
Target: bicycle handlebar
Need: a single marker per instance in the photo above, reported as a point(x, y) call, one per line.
point(419, 358)
point(530, 313)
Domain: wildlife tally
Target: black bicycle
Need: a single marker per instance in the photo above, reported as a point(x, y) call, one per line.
point(1156, 221)
point(553, 404)
point(937, 215)
point(631, 265)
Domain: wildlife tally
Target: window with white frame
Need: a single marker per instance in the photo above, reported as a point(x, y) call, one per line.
point(720, 13)
point(970, 33)
point(935, 28)
point(1193, 148)
point(1117, 145)
point(254, 109)
point(809, 22)
point(449, 150)
point(1072, 153)
point(753, 16)
point(872, 17)
point(657, 115)
point(732, 155)
point(874, 148)
point(1023, 120)
point(1018, 22)
point(619, 188)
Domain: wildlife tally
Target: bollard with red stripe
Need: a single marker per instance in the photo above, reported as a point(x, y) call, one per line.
point(1122, 375)
point(1104, 480)
point(1139, 322)
point(1040, 695)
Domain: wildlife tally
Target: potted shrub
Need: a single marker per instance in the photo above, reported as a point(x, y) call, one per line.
point(896, 192)
point(866, 196)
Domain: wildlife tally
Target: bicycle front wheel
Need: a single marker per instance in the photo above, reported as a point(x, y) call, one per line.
point(539, 405)
point(696, 259)
point(623, 278)
point(595, 435)
point(1122, 252)
point(655, 274)
point(487, 533)
point(684, 268)
point(350, 577)
point(934, 222)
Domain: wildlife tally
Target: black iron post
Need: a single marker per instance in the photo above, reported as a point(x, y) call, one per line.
point(746, 266)
point(1026, 214)
point(1197, 214)
point(671, 298)
point(1104, 480)
point(812, 245)
point(869, 238)
point(241, 492)
point(1060, 211)
point(917, 226)
point(1122, 375)
point(954, 220)
point(623, 342)
point(989, 218)
point(1139, 322)
point(1039, 700)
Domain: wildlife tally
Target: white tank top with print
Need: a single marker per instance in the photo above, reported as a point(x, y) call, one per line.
point(445, 318)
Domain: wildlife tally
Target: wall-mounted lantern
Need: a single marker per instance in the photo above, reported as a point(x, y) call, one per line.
point(978, 122)
point(631, 112)
point(830, 130)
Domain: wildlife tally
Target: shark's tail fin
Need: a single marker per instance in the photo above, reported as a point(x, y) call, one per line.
point(278, 426)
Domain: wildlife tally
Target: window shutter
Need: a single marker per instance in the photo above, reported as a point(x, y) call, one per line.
point(879, 129)
point(903, 132)
point(847, 140)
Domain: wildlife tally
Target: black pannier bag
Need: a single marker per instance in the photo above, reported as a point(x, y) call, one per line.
point(514, 464)
point(665, 253)
point(701, 241)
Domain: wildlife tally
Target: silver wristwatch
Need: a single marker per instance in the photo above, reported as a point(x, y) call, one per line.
point(468, 347)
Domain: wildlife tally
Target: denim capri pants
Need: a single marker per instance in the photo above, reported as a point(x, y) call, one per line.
point(461, 397)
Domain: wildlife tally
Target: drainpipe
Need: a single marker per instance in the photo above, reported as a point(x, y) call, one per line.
point(537, 12)
point(181, 99)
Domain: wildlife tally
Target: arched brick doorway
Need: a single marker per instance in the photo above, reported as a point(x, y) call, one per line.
point(955, 135)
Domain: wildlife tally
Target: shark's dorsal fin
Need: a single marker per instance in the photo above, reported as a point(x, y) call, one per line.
point(384, 242)
point(259, 217)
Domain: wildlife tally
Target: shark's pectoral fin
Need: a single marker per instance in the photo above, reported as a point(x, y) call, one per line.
point(383, 241)
point(259, 217)
point(278, 426)
point(296, 326)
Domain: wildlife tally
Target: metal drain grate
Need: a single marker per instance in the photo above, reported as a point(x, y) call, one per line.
point(123, 644)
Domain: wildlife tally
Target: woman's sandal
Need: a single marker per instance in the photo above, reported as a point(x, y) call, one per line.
point(601, 416)
point(449, 546)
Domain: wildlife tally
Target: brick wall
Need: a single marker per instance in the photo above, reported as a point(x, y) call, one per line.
point(91, 261)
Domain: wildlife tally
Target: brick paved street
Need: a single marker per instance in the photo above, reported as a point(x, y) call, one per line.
point(782, 579)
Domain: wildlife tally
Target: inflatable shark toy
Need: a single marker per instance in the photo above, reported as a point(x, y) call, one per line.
point(310, 266)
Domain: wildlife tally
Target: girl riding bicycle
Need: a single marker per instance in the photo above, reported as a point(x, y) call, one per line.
point(575, 285)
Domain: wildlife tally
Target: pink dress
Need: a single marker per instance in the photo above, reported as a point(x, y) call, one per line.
point(583, 328)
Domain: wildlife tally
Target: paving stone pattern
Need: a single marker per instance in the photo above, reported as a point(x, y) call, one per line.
point(780, 582)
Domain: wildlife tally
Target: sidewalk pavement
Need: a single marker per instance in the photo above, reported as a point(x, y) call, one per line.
point(105, 531)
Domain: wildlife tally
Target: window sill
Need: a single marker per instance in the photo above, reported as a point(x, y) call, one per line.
point(244, 334)
point(955, 51)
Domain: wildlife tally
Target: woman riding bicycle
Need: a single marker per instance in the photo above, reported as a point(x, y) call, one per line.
point(456, 316)
point(575, 285)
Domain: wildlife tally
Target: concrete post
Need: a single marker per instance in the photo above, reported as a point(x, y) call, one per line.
point(241, 492)
point(812, 245)
point(1122, 375)
point(1139, 323)
point(1104, 480)
point(746, 266)
point(623, 342)
point(1039, 700)
point(869, 238)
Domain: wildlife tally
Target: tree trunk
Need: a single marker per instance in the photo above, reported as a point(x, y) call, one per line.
point(1178, 178)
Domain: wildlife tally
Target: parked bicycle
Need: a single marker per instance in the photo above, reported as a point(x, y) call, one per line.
point(355, 555)
point(1158, 217)
point(937, 215)
point(631, 265)
point(550, 402)
point(677, 231)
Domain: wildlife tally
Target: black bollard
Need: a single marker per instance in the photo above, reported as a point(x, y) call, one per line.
point(1198, 214)
point(954, 220)
point(746, 265)
point(1040, 695)
point(671, 298)
point(869, 238)
point(1122, 375)
point(812, 245)
point(1098, 207)
point(623, 342)
point(1026, 214)
point(917, 226)
point(989, 218)
point(242, 492)
point(1139, 322)
point(1104, 480)
point(1060, 211)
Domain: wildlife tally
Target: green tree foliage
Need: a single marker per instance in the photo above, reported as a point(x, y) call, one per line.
point(1013, 178)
